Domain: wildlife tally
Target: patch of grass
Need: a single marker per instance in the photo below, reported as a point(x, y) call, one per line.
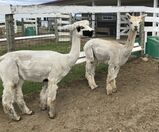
point(76, 73)
point(62, 47)
point(28, 87)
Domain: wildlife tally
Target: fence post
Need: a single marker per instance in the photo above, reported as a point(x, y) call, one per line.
point(9, 20)
point(23, 28)
point(70, 20)
point(118, 21)
point(142, 36)
point(56, 30)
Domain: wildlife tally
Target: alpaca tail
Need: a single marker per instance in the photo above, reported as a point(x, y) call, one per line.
point(88, 49)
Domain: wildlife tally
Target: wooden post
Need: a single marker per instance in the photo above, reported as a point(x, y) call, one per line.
point(36, 26)
point(9, 20)
point(118, 21)
point(70, 20)
point(56, 30)
point(142, 36)
point(155, 4)
point(15, 26)
point(93, 18)
point(23, 29)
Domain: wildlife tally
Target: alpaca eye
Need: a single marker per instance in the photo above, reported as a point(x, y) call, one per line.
point(131, 23)
point(81, 27)
point(78, 28)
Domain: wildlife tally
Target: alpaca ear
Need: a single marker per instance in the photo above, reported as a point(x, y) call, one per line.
point(78, 29)
point(66, 27)
point(128, 15)
point(143, 16)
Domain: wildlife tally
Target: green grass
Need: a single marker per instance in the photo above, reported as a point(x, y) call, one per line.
point(76, 73)
point(62, 47)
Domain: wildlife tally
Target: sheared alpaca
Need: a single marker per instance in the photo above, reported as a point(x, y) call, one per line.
point(110, 52)
point(38, 66)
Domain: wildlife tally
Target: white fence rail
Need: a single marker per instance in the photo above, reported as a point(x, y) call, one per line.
point(31, 37)
point(61, 20)
point(154, 30)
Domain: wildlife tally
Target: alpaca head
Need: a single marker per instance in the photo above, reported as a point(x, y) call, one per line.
point(135, 21)
point(82, 28)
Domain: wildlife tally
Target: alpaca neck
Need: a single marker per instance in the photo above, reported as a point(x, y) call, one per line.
point(75, 49)
point(131, 39)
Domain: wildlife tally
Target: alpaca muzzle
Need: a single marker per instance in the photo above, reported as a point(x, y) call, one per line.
point(88, 33)
point(136, 28)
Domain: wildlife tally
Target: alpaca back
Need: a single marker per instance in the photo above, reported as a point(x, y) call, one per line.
point(102, 50)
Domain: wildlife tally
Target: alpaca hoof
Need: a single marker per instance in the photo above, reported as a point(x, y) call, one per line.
point(114, 90)
point(31, 113)
point(52, 113)
point(52, 116)
point(28, 112)
point(109, 92)
point(94, 87)
point(18, 118)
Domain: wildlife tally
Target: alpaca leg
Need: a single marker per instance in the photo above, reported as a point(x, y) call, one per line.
point(90, 73)
point(20, 100)
point(109, 80)
point(51, 99)
point(113, 83)
point(8, 99)
point(43, 96)
point(109, 89)
point(93, 71)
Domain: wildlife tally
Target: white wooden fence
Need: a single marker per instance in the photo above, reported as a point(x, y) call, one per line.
point(124, 25)
point(41, 10)
point(154, 30)
point(61, 20)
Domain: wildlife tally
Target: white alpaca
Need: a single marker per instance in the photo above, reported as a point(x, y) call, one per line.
point(110, 52)
point(38, 66)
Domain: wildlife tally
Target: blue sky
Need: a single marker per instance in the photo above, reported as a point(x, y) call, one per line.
point(24, 2)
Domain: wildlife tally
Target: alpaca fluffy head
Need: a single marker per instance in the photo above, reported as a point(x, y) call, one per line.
point(135, 21)
point(81, 27)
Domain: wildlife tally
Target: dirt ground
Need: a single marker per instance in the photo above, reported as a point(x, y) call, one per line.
point(134, 108)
